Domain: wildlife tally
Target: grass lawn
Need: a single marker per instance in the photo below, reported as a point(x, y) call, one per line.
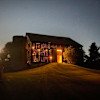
point(51, 82)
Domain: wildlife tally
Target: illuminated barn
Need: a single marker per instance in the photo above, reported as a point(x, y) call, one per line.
point(37, 50)
point(44, 48)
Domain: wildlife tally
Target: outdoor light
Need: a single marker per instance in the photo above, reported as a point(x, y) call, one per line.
point(46, 50)
point(33, 47)
point(50, 58)
point(38, 49)
point(33, 54)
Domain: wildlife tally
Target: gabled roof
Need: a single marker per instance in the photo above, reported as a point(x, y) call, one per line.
point(53, 39)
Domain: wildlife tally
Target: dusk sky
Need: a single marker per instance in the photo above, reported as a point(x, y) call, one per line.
point(77, 19)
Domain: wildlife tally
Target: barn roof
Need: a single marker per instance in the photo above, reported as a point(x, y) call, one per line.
point(53, 39)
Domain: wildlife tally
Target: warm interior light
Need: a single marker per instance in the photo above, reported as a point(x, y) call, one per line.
point(59, 50)
point(59, 55)
point(60, 59)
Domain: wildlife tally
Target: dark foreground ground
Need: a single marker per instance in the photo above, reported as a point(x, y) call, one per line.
point(51, 82)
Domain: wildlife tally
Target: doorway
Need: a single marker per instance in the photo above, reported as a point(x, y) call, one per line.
point(59, 55)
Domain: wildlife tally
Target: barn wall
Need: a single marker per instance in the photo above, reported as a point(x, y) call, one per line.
point(18, 58)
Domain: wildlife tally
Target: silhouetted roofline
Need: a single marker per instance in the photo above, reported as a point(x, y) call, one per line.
point(34, 37)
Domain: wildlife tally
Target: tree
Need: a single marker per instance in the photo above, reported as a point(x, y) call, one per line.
point(7, 51)
point(2, 55)
point(8, 48)
point(73, 55)
point(94, 54)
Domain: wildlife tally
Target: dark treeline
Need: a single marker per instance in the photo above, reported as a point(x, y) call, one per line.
point(93, 59)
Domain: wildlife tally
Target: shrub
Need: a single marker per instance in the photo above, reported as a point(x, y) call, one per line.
point(73, 55)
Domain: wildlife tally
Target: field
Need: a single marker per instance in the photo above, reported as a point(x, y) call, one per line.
point(51, 82)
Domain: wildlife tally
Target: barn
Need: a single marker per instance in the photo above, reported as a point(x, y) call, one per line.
point(36, 50)
point(46, 48)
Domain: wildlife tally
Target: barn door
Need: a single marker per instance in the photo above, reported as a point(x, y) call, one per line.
point(59, 56)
